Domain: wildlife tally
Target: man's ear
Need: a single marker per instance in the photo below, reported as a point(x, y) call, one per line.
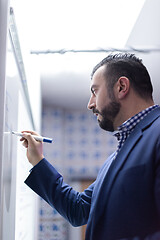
point(122, 87)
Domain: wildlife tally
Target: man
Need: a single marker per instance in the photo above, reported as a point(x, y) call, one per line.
point(124, 201)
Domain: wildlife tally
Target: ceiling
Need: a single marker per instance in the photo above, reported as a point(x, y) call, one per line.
point(85, 25)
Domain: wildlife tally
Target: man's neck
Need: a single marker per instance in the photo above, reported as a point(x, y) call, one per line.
point(130, 110)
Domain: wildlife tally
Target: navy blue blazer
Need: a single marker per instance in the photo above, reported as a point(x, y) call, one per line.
point(123, 202)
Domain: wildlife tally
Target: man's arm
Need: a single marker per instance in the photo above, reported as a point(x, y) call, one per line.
point(48, 183)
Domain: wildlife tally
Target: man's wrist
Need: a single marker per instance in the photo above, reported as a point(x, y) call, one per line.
point(37, 160)
point(36, 164)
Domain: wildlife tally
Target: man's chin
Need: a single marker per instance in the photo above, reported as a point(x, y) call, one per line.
point(106, 126)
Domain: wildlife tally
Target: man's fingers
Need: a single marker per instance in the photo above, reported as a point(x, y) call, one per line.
point(25, 143)
point(31, 132)
point(34, 148)
point(22, 139)
point(28, 137)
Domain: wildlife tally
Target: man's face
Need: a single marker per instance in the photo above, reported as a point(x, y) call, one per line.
point(102, 102)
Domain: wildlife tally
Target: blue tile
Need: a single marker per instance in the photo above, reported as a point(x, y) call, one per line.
point(55, 227)
point(84, 155)
point(41, 228)
point(41, 212)
point(97, 155)
point(70, 117)
point(83, 117)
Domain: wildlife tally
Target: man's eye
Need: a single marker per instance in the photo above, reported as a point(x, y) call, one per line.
point(94, 92)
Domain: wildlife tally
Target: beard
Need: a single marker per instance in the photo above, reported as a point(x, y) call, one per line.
point(108, 115)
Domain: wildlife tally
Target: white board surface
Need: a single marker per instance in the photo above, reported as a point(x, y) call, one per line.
point(18, 203)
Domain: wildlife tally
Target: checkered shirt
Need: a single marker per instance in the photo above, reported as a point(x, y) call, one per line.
point(128, 126)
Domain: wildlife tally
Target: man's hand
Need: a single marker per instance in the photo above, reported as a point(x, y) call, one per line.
point(34, 148)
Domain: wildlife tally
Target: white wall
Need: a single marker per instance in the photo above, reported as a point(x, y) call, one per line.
point(146, 34)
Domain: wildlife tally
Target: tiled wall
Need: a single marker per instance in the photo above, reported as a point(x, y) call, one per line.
point(79, 149)
point(51, 225)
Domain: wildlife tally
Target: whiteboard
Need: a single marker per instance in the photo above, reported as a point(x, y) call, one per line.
point(19, 203)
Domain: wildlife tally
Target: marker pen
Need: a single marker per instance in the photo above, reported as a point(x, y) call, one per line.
point(38, 138)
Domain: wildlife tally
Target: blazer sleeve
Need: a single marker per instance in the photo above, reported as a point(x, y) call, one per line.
point(48, 184)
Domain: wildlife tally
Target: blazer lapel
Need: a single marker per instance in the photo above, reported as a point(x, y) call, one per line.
point(118, 163)
point(116, 166)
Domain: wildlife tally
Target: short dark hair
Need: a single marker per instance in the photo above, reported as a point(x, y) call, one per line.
point(130, 66)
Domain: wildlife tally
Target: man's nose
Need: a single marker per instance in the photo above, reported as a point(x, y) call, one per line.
point(91, 104)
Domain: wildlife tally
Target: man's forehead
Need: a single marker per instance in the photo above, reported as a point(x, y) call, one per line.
point(98, 76)
point(99, 72)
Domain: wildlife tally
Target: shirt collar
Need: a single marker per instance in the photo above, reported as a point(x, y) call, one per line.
point(130, 124)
